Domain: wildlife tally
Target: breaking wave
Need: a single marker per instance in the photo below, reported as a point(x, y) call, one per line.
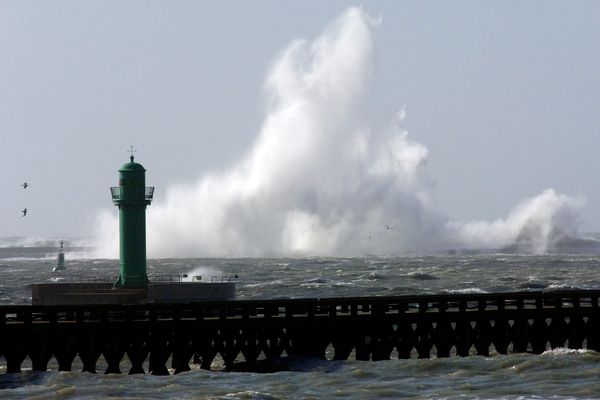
point(318, 180)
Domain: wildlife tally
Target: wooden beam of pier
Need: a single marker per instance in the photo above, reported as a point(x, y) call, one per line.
point(363, 328)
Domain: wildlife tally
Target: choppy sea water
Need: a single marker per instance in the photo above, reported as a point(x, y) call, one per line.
point(556, 374)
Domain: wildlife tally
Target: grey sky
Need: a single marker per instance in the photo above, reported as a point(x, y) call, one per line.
point(504, 95)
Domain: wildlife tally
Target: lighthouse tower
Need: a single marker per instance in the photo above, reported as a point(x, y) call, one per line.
point(132, 196)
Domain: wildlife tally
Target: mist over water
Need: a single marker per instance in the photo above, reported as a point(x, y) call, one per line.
point(319, 181)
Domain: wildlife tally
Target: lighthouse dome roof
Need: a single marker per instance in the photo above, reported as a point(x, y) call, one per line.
point(132, 166)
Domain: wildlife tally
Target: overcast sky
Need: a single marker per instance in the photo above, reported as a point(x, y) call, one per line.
point(504, 95)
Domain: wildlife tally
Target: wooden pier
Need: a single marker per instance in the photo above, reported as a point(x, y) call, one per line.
point(150, 337)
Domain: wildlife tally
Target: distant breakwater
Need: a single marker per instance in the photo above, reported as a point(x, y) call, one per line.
point(39, 251)
point(241, 333)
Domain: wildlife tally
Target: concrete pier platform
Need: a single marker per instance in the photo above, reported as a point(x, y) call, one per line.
point(105, 293)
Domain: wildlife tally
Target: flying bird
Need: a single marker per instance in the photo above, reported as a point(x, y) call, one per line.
point(24, 212)
point(389, 228)
point(25, 185)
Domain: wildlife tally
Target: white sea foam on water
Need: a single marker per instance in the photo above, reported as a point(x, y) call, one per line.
point(318, 180)
point(202, 273)
point(471, 290)
point(559, 351)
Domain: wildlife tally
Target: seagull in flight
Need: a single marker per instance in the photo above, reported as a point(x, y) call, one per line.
point(25, 185)
point(24, 212)
point(389, 228)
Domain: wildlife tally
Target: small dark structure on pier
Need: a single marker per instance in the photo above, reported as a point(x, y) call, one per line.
point(374, 328)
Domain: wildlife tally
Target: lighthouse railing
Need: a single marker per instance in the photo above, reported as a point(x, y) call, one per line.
point(148, 193)
point(132, 193)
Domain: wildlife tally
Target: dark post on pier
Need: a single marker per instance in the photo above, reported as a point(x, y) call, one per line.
point(151, 337)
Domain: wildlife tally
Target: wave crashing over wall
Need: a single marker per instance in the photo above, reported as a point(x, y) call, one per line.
point(319, 181)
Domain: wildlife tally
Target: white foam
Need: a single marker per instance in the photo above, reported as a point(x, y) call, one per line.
point(202, 273)
point(565, 351)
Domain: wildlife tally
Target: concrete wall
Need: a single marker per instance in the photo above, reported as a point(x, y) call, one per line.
point(105, 293)
point(83, 293)
point(189, 292)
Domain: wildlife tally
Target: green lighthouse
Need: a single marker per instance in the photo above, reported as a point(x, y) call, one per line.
point(132, 196)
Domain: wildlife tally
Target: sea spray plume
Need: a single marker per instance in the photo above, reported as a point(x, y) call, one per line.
point(318, 181)
point(202, 273)
point(106, 240)
point(535, 225)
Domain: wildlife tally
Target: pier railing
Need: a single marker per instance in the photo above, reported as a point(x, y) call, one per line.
point(182, 278)
point(164, 278)
point(363, 328)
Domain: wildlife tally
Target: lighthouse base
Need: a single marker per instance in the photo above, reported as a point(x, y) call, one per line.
point(105, 293)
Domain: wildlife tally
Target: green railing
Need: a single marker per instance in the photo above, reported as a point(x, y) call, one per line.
point(136, 193)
